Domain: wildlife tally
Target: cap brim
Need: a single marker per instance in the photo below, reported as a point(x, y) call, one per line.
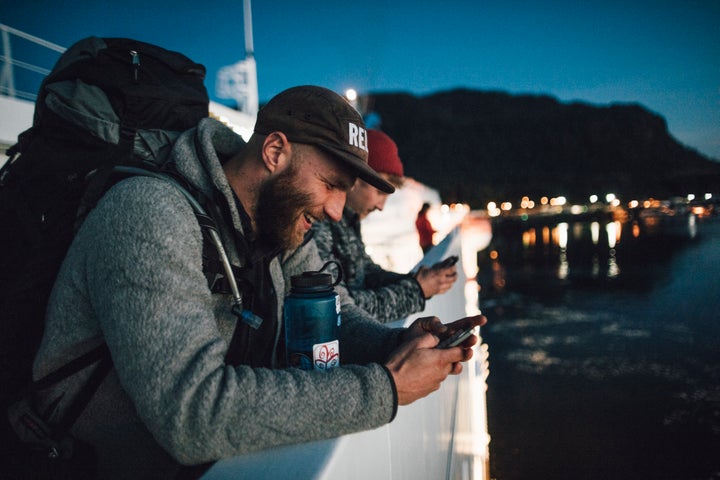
point(362, 169)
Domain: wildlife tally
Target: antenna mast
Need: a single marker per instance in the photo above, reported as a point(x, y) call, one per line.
point(247, 14)
point(239, 81)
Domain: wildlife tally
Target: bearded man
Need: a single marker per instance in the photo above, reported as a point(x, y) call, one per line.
point(191, 381)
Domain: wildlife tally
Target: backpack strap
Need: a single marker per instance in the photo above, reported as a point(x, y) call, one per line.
point(30, 426)
point(98, 179)
point(100, 354)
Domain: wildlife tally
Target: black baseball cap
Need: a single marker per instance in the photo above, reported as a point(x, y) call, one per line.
point(321, 117)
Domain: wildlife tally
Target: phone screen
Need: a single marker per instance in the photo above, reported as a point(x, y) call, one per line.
point(448, 262)
point(455, 339)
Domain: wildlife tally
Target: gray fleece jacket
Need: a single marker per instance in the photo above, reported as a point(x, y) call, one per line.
point(133, 278)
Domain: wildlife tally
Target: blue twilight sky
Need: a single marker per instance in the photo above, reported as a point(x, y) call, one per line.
point(663, 54)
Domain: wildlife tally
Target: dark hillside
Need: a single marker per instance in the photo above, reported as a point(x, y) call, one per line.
point(476, 146)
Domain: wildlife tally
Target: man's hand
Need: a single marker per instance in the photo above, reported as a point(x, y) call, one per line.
point(433, 325)
point(434, 281)
point(419, 368)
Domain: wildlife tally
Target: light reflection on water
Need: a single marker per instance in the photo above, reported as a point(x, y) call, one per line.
point(561, 252)
point(628, 310)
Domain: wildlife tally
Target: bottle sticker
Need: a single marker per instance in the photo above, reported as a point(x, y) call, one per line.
point(326, 355)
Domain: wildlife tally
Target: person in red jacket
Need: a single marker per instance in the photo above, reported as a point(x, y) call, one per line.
point(424, 228)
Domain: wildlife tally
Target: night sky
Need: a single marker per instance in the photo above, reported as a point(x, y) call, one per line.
point(664, 55)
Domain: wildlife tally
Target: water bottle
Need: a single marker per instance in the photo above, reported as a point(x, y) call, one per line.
point(312, 320)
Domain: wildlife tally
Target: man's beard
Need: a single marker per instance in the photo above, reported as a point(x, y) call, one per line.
point(280, 203)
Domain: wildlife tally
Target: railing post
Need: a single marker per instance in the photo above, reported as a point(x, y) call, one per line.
point(7, 79)
point(7, 74)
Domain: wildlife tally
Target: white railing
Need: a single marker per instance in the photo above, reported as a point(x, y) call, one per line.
point(17, 102)
point(9, 63)
point(443, 436)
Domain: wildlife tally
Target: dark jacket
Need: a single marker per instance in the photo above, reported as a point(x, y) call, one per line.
point(386, 295)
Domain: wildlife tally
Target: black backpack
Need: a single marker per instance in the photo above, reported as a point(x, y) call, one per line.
point(107, 102)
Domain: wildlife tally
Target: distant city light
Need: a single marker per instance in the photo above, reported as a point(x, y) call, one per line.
point(492, 209)
point(543, 200)
point(593, 198)
point(558, 201)
point(507, 206)
point(691, 197)
point(633, 203)
point(610, 197)
point(708, 196)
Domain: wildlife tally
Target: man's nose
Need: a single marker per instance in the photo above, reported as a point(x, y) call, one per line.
point(381, 202)
point(334, 205)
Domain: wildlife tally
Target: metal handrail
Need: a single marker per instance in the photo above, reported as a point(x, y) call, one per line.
point(7, 72)
point(32, 38)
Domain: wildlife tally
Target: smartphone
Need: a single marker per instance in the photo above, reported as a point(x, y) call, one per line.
point(448, 262)
point(456, 338)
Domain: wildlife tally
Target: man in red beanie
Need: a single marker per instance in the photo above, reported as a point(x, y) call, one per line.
point(386, 295)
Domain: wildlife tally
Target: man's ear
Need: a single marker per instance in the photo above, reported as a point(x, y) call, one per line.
point(276, 151)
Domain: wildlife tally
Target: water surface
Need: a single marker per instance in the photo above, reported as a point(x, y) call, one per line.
point(604, 341)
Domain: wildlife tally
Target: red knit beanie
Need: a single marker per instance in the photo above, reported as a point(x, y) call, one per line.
point(383, 153)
